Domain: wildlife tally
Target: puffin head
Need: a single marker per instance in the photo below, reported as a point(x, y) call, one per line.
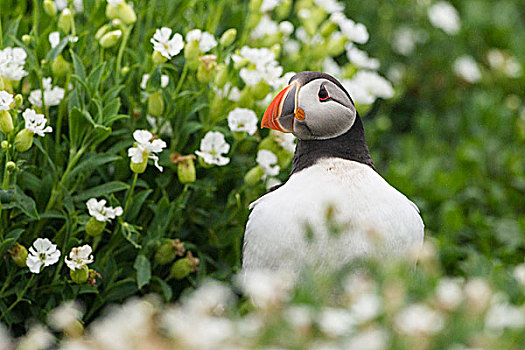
point(314, 106)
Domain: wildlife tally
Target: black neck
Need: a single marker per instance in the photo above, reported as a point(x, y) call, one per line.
point(350, 145)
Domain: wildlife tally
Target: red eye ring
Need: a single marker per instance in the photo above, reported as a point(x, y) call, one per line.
point(323, 94)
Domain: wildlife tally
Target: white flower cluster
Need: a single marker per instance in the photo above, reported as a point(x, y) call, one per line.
point(5, 100)
point(366, 86)
point(12, 61)
point(267, 160)
point(355, 32)
point(262, 65)
point(52, 95)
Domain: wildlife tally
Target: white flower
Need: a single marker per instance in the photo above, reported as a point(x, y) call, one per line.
point(210, 299)
point(230, 92)
point(336, 322)
point(80, 256)
point(115, 2)
point(355, 32)
point(299, 316)
point(268, 5)
point(163, 129)
point(243, 119)
point(265, 27)
point(12, 61)
point(366, 307)
point(164, 45)
point(404, 40)
point(213, 146)
point(205, 39)
point(419, 319)
point(286, 28)
point(146, 148)
point(508, 64)
point(331, 67)
point(444, 16)
point(467, 68)
point(291, 47)
point(62, 4)
point(360, 58)
point(366, 86)
point(36, 123)
point(5, 100)
point(369, 339)
point(52, 95)
point(5, 339)
point(164, 81)
point(330, 6)
point(65, 316)
point(266, 288)
point(504, 315)
point(449, 294)
point(54, 39)
point(99, 211)
point(266, 160)
point(478, 293)
point(43, 252)
point(519, 273)
point(38, 337)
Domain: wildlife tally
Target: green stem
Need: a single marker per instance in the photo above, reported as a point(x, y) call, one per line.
point(130, 194)
point(18, 298)
point(1, 34)
point(127, 32)
point(181, 80)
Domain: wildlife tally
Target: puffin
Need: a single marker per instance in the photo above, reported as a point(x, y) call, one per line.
point(335, 208)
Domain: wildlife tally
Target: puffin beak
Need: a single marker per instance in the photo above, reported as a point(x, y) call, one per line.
point(281, 112)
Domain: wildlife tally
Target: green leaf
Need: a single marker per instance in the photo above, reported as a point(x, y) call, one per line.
point(136, 204)
point(92, 162)
point(78, 124)
point(54, 52)
point(78, 67)
point(143, 268)
point(10, 239)
point(93, 79)
point(166, 289)
point(6, 196)
point(26, 204)
point(101, 190)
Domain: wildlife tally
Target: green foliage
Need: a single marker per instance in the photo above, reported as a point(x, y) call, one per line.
point(453, 147)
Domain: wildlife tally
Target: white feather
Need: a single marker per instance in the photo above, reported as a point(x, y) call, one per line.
point(376, 219)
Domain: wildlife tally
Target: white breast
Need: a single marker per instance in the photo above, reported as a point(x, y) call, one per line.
point(372, 218)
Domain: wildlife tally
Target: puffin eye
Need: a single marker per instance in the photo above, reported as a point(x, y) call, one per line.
point(323, 94)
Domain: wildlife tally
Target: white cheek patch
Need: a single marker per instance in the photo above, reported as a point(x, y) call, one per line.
point(324, 119)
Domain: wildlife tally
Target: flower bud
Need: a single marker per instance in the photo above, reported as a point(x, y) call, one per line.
point(283, 9)
point(206, 70)
point(156, 104)
point(65, 21)
point(94, 227)
point(110, 39)
point(253, 176)
point(10, 166)
point(253, 19)
point(49, 8)
point(276, 49)
point(5, 145)
point(60, 67)
point(158, 58)
point(24, 140)
point(80, 275)
point(139, 168)
point(183, 267)
point(74, 330)
point(112, 11)
point(26, 39)
point(336, 46)
point(191, 53)
point(6, 122)
point(186, 171)
point(255, 5)
point(101, 31)
point(125, 70)
point(221, 77)
point(169, 251)
point(246, 98)
point(126, 13)
point(2, 86)
point(19, 100)
point(260, 90)
point(228, 37)
point(327, 28)
point(18, 254)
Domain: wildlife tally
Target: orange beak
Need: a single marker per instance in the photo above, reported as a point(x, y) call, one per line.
point(281, 112)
